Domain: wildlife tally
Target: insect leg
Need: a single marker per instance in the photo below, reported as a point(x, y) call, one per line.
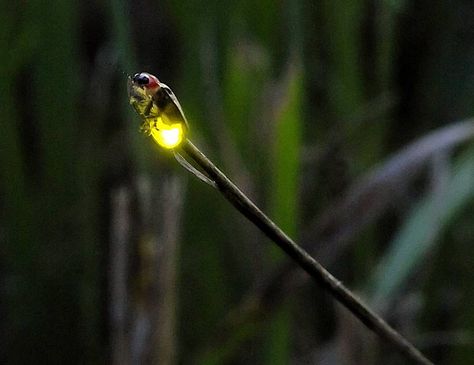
point(147, 110)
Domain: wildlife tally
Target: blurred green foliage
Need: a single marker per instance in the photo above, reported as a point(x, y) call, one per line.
point(296, 100)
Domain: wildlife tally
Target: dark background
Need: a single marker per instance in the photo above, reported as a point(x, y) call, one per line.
point(342, 119)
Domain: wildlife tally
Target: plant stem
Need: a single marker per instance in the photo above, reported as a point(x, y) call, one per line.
point(335, 288)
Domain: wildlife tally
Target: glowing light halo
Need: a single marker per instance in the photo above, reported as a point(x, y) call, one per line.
point(168, 136)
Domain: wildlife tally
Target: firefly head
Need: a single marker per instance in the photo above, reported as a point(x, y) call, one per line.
point(147, 82)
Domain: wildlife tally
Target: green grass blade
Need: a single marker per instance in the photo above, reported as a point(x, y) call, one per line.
point(421, 230)
point(286, 170)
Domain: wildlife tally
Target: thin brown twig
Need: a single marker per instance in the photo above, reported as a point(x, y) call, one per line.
point(331, 233)
point(334, 229)
point(335, 288)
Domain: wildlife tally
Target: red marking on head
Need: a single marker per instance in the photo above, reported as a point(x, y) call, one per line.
point(147, 81)
point(153, 83)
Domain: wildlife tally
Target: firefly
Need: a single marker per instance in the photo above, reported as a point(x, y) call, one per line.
point(162, 115)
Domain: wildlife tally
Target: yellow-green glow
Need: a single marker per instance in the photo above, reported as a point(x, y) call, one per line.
point(168, 136)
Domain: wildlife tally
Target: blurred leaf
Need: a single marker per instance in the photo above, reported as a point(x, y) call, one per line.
point(286, 165)
point(343, 31)
point(370, 195)
point(246, 72)
point(421, 231)
point(284, 200)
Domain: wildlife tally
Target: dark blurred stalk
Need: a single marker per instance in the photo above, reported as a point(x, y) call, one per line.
point(68, 257)
point(119, 253)
point(164, 338)
point(47, 309)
